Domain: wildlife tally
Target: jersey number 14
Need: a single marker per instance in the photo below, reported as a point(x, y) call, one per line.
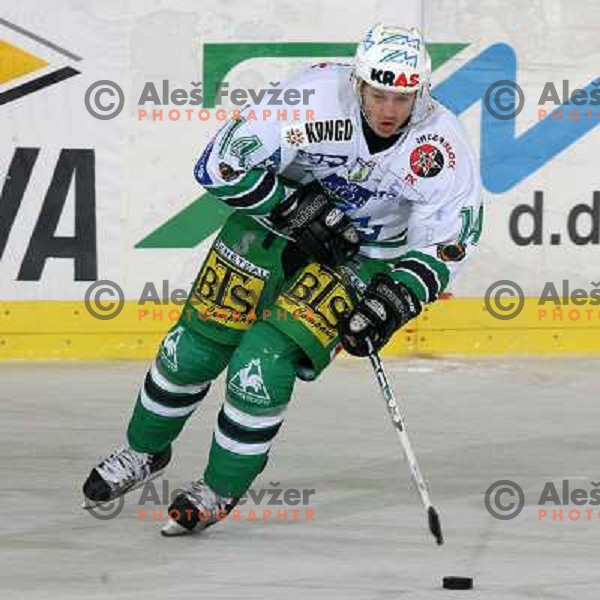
point(470, 231)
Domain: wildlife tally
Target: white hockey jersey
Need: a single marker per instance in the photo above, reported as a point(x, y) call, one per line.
point(416, 204)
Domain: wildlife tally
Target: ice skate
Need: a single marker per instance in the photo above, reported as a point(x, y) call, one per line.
point(123, 471)
point(196, 509)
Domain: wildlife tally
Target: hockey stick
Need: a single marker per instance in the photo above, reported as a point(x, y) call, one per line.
point(388, 395)
point(385, 387)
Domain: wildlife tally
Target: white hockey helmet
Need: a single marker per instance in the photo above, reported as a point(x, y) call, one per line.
point(395, 59)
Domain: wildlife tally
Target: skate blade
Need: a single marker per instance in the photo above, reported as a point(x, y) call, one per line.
point(88, 504)
point(172, 528)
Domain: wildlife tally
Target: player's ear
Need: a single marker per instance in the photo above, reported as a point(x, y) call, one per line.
point(361, 88)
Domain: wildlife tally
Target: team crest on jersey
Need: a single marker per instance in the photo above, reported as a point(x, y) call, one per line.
point(426, 160)
point(444, 143)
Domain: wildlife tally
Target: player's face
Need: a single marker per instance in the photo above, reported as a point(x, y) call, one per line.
point(386, 111)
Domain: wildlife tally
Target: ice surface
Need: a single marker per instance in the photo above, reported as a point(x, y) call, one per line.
point(472, 422)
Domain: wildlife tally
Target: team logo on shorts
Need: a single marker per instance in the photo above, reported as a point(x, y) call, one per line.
point(168, 348)
point(426, 160)
point(249, 383)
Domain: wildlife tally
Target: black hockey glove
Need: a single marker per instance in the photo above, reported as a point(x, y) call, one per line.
point(320, 230)
point(384, 307)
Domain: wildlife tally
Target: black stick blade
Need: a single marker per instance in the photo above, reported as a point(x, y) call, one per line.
point(435, 526)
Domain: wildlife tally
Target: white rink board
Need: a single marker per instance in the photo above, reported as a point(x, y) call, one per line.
point(143, 170)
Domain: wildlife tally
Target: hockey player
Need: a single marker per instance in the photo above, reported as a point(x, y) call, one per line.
point(344, 227)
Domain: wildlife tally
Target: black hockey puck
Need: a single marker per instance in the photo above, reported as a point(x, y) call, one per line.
point(457, 583)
